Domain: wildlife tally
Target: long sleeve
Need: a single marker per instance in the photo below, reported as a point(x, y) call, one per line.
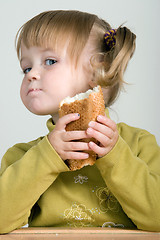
point(132, 172)
point(26, 172)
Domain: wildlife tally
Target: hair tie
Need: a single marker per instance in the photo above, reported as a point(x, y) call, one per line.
point(110, 38)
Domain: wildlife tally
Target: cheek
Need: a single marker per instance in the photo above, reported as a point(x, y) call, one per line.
point(88, 71)
point(48, 79)
point(22, 91)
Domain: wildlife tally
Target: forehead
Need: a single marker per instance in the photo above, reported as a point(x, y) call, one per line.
point(55, 30)
point(59, 52)
point(34, 53)
point(40, 50)
point(55, 44)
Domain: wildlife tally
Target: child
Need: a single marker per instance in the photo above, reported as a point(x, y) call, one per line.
point(63, 53)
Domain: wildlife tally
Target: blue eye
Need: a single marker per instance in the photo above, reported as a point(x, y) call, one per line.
point(50, 62)
point(27, 70)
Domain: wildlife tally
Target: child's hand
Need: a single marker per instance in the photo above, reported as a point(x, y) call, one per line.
point(105, 131)
point(62, 140)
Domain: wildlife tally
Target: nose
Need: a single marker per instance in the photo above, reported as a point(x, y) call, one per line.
point(34, 74)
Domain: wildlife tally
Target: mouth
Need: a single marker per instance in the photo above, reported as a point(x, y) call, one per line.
point(34, 90)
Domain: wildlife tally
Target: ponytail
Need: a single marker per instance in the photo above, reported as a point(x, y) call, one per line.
point(112, 62)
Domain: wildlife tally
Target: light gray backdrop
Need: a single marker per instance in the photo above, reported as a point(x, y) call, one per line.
point(138, 106)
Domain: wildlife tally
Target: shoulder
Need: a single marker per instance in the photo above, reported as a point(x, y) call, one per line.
point(25, 146)
point(136, 137)
point(128, 131)
point(16, 152)
point(142, 143)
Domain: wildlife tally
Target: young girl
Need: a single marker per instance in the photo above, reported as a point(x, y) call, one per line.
point(63, 53)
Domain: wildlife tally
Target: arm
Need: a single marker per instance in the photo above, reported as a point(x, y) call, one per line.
point(26, 172)
point(132, 173)
point(29, 169)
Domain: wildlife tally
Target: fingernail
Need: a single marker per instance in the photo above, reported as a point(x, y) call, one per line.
point(89, 130)
point(91, 124)
point(91, 143)
point(100, 117)
point(76, 116)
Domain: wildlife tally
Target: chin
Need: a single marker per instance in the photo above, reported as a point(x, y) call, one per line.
point(42, 112)
point(39, 112)
point(41, 109)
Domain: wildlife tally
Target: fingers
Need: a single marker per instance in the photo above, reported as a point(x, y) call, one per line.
point(105, 132)
point(75, 155)
point(74, 135)
point(70, 135)
point(76, 146)
point(100, 137)
point(107, 122)
point(100, 128)
point(74, 150)
point(66, 142)
point(63, 121)
point(101, 151)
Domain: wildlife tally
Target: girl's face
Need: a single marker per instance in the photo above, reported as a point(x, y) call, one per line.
point(49, 77)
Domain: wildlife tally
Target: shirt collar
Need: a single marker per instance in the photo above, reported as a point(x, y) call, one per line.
point(50, 125)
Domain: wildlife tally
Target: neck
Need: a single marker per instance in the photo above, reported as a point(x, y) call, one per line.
point(55, 117)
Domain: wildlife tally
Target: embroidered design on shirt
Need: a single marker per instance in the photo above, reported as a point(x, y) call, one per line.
point(112, 225)
point(79, 216)
point(107, 201)
point(81, 179)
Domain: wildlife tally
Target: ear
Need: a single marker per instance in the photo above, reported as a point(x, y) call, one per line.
point(92, 83)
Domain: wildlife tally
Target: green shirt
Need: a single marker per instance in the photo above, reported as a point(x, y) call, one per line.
point(122, 189)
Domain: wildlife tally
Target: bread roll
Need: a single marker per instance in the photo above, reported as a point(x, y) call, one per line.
point(89, 105)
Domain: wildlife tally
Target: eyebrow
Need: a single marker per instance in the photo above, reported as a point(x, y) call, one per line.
point(43, 50)
point(22, 59)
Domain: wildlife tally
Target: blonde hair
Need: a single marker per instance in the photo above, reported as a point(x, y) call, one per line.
point(55, 29)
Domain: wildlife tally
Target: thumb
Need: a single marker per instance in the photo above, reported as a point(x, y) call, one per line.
point(63, 121)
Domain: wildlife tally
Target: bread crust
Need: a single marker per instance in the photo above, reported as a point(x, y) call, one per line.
point(88, 108)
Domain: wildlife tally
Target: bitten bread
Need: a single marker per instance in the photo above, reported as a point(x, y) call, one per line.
point(89, 105)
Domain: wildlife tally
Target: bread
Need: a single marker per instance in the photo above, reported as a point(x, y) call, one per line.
point(89, 105)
